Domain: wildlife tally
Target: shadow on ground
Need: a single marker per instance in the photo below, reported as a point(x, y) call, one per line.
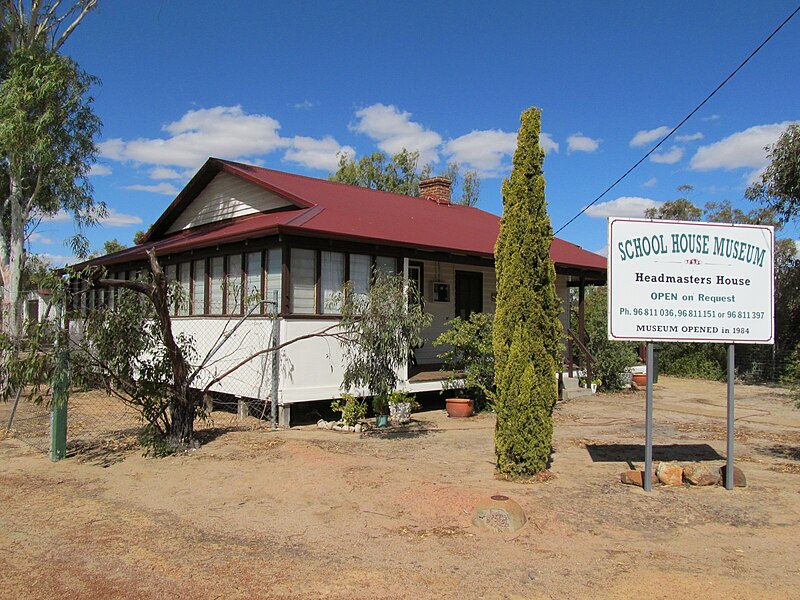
point(635, 452)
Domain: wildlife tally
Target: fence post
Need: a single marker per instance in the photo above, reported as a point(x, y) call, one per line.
point(58, 413)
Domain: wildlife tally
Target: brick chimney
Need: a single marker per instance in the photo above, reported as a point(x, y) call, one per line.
point(436, 189)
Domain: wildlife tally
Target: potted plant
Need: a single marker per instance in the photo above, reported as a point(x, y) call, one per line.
point(400, 405)
point(469, 359)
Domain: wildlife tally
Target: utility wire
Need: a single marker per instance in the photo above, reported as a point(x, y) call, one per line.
point(678, 126)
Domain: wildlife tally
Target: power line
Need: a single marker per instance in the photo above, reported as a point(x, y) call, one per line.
point(686, 118)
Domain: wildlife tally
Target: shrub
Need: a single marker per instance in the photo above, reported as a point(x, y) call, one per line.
point(469, 357)
point(353, 409)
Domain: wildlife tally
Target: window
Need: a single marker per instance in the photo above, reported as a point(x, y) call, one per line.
point(199, 287)
point(274, 274)
point(233, 285)
point(416, 275)
point(360, 271)
point(385, 265)
point(332, 280)
point(216, 275)
point(185, 280)
point(304, 278)
point(171, 273)
point(252, 291)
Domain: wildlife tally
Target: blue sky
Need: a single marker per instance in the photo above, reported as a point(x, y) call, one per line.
point(287, 86)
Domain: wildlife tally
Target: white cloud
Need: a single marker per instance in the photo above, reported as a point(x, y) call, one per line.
point(304, 105)
point(483, 150)
point(670, 157)
point(164, 188)
point(650, 182)
point(690, 137)
point(98, 170)
point(624, 206)
point(61, 216)
point(548, 143)
point(317, 154)
point(603, 251)
point(394, 130)
point(38, 238)
point(647, 136)
point(57, 260)
point(739, 150)
point(114, 218)
point(711, 118)
point(222, 131)
point(166, 173)
point(578, 142)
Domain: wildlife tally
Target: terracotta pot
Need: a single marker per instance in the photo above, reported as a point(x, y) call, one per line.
point(459, 407)
point(640, 379)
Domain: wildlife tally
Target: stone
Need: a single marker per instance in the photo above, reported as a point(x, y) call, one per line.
point(337, 427)
point(738, 476)
point(321, 423)
point(357, 428)
point(499, 514)
point(700, 474)
point(635, 478)
point(669, 473)
point(329, 425)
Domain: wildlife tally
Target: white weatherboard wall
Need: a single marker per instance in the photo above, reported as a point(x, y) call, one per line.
point(227, 197)
point(689, 281)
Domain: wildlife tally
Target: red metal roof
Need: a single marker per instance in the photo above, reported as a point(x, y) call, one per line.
point(327, 209)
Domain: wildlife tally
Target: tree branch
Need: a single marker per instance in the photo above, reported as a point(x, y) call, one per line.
point(90, 4)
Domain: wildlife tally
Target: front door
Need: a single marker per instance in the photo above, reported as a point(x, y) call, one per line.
point(469, 293)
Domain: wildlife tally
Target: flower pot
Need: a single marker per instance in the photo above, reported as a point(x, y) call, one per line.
point(459, 407)
point(400, 412)
point(640, 379)
point(381, 420)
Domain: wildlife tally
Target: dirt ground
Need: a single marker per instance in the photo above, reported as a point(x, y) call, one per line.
point(307, 513)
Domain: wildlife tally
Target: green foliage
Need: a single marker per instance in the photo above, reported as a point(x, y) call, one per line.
point(612, 358)
point(696, 361)
point(401, 397)
point(401, 174)
point(29, 362)
point(779, 187)
point(527, 330)
point(470, 357)
point(378, 334)
point(679, 209)
point(353, 409)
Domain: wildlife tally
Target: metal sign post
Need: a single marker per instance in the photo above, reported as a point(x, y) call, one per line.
point(647, 477)
point(729, 450)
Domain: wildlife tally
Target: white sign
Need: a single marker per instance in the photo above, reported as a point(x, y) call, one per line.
point(689, 281)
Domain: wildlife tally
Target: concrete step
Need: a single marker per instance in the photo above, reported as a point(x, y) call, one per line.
point(571, 394)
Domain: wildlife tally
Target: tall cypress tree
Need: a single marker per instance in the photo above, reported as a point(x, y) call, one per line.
point(527, 330)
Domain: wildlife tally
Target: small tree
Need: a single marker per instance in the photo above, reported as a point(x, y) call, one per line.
point(379, 332)
point(527, 330)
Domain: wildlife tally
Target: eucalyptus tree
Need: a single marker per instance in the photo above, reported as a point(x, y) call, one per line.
point(47, 130)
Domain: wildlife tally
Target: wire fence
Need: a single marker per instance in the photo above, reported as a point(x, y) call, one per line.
point(103, 426)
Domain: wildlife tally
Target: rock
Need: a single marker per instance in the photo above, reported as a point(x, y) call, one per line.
point(499, 514)
point(669, 473)
point(337, 427)
point(635, 478)
point(357, 428)
point(329, 425)
point(321, 423)
point(738, 476)
point(700, 474)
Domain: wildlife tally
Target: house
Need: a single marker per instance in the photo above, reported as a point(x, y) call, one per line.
point(237, 234)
